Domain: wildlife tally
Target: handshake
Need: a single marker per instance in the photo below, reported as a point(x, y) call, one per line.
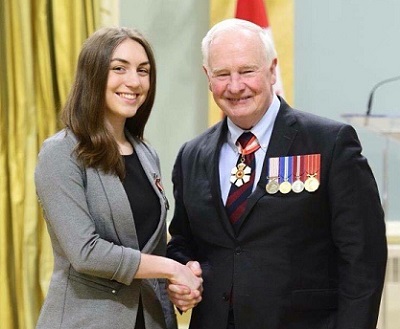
point(185, 289)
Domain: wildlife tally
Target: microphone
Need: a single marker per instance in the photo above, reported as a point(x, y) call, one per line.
point(372, 92)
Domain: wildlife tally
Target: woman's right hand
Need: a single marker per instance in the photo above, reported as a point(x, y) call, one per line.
point(185, 282)
point(188, 275)
point(185, 289)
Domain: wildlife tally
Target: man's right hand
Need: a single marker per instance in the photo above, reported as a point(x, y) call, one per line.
point(184, 297)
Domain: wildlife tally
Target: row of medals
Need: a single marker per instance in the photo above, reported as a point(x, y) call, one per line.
point(311, 184)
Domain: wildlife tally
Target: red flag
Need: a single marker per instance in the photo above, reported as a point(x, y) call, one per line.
point(255, 11)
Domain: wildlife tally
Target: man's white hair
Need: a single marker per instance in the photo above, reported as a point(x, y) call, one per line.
point(232, 25)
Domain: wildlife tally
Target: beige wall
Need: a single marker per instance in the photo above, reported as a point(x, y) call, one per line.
point(175, 29)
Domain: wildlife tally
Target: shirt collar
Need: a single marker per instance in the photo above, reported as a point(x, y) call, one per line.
point(262, 130)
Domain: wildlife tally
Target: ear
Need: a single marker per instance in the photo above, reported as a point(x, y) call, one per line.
point(208, 77)
point(272, 71)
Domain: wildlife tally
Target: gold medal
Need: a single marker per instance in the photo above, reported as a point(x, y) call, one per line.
point(311, 184)
point(240, 174)
point(313, 167)
point(298, 186)
point(285, 187)
point(272, 186)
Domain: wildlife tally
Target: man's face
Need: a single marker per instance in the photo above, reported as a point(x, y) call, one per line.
point(240, 78)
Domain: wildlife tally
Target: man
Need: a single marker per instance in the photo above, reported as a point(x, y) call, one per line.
point(307, 248)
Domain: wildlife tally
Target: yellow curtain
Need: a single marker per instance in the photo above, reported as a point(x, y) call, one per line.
point(281, 19)
point(39, 44)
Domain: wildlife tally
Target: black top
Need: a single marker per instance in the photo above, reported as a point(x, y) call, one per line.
point(145, 204)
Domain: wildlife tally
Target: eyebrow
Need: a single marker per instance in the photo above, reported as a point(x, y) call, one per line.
point(244, 67)
point(126, 62)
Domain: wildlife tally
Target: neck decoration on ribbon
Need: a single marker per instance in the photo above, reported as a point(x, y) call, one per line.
point(240, 174)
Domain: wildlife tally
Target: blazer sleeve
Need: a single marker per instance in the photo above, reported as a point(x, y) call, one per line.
point(181, 246)
point(358, 231)
point(60, 185)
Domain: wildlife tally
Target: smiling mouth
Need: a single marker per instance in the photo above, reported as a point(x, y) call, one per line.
point(127, 95)
point(238, 100)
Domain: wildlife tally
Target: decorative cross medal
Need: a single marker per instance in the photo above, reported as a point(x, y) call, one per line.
point(240, 174)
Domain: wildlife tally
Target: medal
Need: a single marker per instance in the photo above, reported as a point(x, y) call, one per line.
point(240, 174)
point(285, 187)
point(285, 165)
point(273, 176)
point(311, 184)
point(272, 186)
point(298, 185)
point(312, 168)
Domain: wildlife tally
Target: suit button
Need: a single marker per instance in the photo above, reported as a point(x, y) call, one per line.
point(225, 296)
point(238, 250)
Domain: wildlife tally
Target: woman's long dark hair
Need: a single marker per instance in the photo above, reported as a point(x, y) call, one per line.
point(83, 112)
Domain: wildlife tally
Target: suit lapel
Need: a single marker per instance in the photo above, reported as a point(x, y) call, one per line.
point(120, 209)
point(212, 151)
point(150, 166)
point(119, 203)
point(283, 135)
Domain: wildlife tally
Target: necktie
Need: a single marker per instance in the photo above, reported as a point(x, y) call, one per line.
point(242, 178)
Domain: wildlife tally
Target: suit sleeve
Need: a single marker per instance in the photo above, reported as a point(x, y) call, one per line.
point(358, 231)
point(181, 246)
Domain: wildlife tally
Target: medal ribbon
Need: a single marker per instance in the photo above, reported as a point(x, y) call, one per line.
point(251, 146)
point(313, 163)
point(285, 168)
point(242, 177)
point(298, 167)
point(273, 168)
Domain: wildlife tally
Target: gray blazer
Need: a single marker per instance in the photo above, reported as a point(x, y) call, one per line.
point(96, 253)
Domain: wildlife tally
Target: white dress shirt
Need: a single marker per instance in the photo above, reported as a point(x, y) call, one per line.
point(229, 152)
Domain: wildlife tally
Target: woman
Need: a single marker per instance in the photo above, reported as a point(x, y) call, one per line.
point(100, 187)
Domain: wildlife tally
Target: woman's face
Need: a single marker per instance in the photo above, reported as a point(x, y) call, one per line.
point(128, 82)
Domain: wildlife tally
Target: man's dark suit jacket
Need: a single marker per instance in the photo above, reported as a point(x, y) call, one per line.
point(298, 260)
